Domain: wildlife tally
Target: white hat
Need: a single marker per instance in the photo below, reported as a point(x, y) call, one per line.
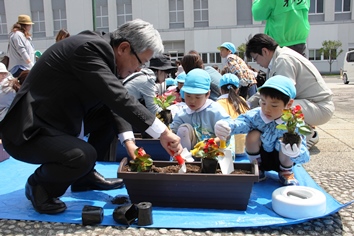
point(3, 68)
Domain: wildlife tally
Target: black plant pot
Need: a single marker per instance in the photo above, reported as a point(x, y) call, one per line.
point(166, 115)
point(291, 138)
point(209, 165)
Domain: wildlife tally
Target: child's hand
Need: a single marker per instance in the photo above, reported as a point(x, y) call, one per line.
point(290, 151)
point(222, 129)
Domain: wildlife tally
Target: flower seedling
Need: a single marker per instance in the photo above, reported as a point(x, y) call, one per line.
point(163, 101)
point(207, 149)
point(142, 162)
point(294, 124)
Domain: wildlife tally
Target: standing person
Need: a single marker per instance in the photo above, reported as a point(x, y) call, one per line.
point(286, 21)
point(239, 67)
point(21, 51)
point(312, 95)
point(263, 141)
point(62, 34)
point(195, 122)
point(234, 105)
point(73, 85)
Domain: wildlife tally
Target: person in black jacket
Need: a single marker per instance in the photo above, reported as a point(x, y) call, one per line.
point(74, 89)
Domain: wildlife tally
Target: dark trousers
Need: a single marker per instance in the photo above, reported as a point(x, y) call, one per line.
point(63, 159)
point(300, 48)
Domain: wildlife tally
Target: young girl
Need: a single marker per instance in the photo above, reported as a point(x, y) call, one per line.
point(234, 105)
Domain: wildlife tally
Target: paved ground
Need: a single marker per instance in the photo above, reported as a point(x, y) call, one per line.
point(331, 165)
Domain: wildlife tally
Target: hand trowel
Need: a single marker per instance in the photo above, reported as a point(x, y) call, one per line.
point(225, 162)
point(182, 158)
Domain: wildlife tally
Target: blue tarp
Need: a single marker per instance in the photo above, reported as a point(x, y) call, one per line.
point(14, 205)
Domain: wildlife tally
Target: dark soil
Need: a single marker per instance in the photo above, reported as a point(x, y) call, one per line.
point(291, 138)
point(190, 169)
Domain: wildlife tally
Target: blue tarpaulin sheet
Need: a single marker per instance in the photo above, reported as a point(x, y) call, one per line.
point(14, 205)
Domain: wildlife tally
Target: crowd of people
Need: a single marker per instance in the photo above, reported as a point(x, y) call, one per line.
point(103, 85)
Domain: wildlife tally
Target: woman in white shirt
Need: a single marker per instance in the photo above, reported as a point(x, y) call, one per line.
point(21, 51)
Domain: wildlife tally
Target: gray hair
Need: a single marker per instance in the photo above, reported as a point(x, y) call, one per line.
point(141, 35)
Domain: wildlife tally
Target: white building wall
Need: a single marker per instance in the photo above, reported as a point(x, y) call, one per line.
point(222, 25)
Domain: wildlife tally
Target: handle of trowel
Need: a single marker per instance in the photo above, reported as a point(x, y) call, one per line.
point(222, 144)
point(179, 158)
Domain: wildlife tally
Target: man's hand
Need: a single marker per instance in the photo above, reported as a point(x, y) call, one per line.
point(222, 129)
point(290, 151)
point(171, 142)
point(130, 147)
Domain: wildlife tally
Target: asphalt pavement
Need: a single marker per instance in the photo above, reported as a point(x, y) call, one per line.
point(331, 166)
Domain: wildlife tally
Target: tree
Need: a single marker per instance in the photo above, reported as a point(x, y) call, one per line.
point(241, 50)
point(330, 51)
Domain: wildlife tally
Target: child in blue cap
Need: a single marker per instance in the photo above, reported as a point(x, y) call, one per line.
point(238, 67)
point(175, 90)
point(195, 122)
point(234, 105)
point(263, 142)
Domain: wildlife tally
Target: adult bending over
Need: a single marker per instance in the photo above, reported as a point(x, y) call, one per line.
point(73, 85)
point(312, 92)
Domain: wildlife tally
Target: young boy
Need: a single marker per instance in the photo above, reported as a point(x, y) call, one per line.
point(196, 122)
point(263, 139)
point(238, 67)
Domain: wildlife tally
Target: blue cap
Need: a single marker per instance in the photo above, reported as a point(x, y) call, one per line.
point(181, 77)
point(229, 46)
point(229, 78)
point(170, 81)
point(197, 82)
point(282, 84)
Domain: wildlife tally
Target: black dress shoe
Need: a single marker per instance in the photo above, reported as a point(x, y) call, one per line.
point(95, 181)
point(41, 202)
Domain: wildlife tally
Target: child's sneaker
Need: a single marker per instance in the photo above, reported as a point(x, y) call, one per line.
point(261, 176)
point(287, 178)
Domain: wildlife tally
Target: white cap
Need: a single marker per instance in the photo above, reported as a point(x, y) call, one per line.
point(3, 68)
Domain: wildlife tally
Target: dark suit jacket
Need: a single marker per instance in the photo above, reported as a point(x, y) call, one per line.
point(72, 77)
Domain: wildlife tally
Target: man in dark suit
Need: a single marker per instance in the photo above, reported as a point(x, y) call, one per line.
point(74, 88)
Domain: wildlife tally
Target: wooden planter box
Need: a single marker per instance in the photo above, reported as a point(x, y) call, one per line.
point(190, 190)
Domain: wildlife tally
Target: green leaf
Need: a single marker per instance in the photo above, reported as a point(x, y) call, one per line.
point(305, 130)
point(282, 127)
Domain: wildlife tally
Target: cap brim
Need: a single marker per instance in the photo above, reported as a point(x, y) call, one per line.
point(192, 90)
point(162, 67)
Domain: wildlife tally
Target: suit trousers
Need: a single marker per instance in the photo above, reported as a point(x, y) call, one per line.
point(65, 158)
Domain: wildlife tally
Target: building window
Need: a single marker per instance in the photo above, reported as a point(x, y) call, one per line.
point(124, 11)
point(342, 6)
point(37, 11)
point(176, 12)
point(211, 58)
point(314, 55)
point(201, 14)
point(3, 24)
point(102, 16)
point(214, 57)
point(59, 15)
point(333, 55)
point(316, 7)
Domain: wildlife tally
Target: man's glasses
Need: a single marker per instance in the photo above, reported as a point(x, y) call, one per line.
point(255, 58)
point(141, 66)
